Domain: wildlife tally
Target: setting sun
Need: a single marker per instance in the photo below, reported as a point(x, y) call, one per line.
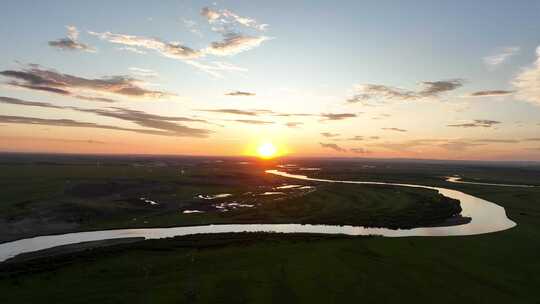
point(267, 150)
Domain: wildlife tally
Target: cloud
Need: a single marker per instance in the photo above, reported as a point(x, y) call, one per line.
point(143, 72)
point(131, 49)
point(239, 93)
point(213, 68)
point(394, 129)
point(356, 138)
point(459, 145)
point(337, 116)
point(234, 43)
point(73, 123)
point(226, 18)
point(333, 147)
point(93, 98)
point(71, 42)
point(485, 123)
point(239, 112)
point(376, 93)
point(20, 102)
point(491, 93)
point(527, 82)
point(253, 122)
point(164, 125)
point(359, 150)
point(503, 141)
point(37, 78)
point(329, 135)
point(533, 139)
point(167, 49)
point(293, 124)
point(192, 27)
point(60, 140)
point(494, 60)
point(210, 14)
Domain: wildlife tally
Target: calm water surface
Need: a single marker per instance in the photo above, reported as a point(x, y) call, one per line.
point(486, 217)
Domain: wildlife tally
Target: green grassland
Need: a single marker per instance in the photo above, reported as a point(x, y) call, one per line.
point(499, 267)
point(50, 198)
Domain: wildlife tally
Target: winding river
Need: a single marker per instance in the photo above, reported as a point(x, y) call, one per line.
point(486, 217)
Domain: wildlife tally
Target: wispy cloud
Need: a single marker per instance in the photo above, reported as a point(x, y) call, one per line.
point(394, 129)
point(458, 145)
point(60, 140)
point(527, 82)
point(333, 147)
point(376, 93)
point(143, 72)
point(234, 43)
point(36, 78)
point(329, 135)
point(359, 150)
point(238, 111)
point(294, 124)
point(253, 121)
point(167, 49)
point(239, 93)
point(500, 56)
point(485, 123)
point(226, 18)
point(157, 124)
point(192, 27)
point(71, 42)
point(337, 116)
point(74, 123)
point(491, 93)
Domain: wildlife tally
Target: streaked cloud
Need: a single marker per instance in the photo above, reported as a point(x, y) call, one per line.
point(329, 135)
point(167, 49)
point(485, 123)
point(500, 56)
point(294, 124)
point(458, 145)
point(394, 129)
point(491, 93)
point(234, 43)
point(59, 140)
point(226, 17)
point(179, 131)
point(143, 72)
point(36, 78)
point(333, 147)
point(253, 121)
point(163, 125)
point(527, 82)
point(377, 93)
point(337, 116)
point(238, 111)
point(71, 42)
point(239, 93)
point(359, 150)
point(498, 141)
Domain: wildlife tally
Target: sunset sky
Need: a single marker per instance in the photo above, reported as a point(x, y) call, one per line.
point(415, 79)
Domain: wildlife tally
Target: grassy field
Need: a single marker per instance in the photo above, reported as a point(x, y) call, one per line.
point(68, 195)
point(500, 267)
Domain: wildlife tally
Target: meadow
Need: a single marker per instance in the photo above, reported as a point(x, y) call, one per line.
point(499, 267)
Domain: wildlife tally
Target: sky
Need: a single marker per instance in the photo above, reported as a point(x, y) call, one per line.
point(378, 79)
